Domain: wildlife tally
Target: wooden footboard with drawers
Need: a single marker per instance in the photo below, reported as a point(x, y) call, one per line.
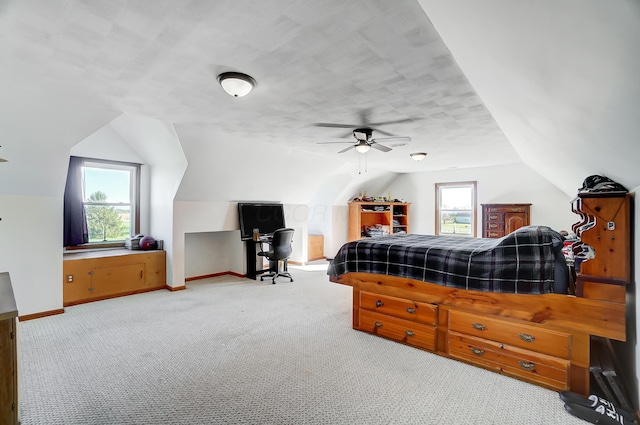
point(542, 339)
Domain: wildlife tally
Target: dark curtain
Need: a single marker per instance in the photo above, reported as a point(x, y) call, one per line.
point(75, 220)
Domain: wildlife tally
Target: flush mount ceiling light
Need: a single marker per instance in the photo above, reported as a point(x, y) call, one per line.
point(418, 156)
point(363, 146)
point(236, 84)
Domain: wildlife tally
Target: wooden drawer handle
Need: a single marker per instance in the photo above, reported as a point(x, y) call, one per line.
point(477, 351)
point(378, 324)
point(411, 310)
point(409, 333)
point(527, 337)
point(478, 326)
point(527, 365)
point(379, 303)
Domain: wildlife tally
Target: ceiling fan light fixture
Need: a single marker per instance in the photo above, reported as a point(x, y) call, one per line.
point(363, 147)
point(236, 84)
point(418, 156)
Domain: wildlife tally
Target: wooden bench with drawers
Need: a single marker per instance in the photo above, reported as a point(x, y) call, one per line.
point(97, 275)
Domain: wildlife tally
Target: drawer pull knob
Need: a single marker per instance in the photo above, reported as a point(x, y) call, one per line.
point(379, 303)
point(493, 217)
point(478, 326)
point(527, 337)
point(477, 351)
point(411, 310)
point(527, 365)
point(409, 333)
point(378, 324)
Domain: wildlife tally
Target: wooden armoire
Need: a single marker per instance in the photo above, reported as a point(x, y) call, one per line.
point(501, 219)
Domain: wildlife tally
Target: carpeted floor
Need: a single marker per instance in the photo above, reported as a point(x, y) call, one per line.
point(234, 351)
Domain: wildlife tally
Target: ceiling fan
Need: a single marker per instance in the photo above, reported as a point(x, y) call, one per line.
point(364, 134)
point(365, 141)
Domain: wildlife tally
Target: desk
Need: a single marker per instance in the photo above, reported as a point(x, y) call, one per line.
point(252, 256)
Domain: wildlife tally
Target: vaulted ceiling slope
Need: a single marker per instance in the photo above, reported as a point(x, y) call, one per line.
point(559, 77)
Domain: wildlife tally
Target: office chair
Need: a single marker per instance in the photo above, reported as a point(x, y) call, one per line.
point(279, 250)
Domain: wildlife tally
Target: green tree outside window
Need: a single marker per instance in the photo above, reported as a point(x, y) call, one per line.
point(103, 221)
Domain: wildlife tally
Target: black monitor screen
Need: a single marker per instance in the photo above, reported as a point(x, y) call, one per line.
point(267, 218)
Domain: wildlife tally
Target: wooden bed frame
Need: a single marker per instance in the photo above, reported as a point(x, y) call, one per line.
point(490, 326)
point(543, 339)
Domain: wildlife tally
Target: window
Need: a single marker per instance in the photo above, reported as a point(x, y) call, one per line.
point(110, 196)
point(456, 209)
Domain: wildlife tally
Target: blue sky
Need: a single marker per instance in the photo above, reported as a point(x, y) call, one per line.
point(115, 183)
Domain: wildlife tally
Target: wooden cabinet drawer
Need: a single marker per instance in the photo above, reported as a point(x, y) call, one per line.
point(515, 333)
point(405, 331)
point(495, 217)
point(546, 370)
point(494, 225)
point(493, 234)
point(399, 307)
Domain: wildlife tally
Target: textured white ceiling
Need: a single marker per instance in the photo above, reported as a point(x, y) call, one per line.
point(321, 61)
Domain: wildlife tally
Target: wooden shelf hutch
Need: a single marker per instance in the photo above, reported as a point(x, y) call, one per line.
point(383, 217)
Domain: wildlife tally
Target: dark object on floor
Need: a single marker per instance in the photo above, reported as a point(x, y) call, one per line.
point(279, 251)
point(597, 404)
point(600, 415)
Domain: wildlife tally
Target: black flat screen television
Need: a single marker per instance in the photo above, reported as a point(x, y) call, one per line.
point(265, 217)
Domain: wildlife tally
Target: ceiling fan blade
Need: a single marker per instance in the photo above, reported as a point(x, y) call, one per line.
point(331, 143)
point(375, 124)
point(333, 125)
point(346, 149)
point(403, 140)
point(380, 147)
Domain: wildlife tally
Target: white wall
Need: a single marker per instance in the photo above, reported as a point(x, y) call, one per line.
point(515, 183)
point(37, 135)
point(208, 253)
point(31, 250)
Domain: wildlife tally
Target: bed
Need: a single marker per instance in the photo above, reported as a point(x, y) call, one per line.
point(527, 261)
point(501, 304)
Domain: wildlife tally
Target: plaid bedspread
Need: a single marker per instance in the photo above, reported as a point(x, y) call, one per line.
point(521, 262)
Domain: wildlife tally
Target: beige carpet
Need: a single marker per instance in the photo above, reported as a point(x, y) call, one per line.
point(236, 351)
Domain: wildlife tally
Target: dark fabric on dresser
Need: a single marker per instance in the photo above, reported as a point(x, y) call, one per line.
point(522, 262)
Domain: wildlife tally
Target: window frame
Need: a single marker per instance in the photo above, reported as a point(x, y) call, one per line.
point(474, 207)
point(135, 170)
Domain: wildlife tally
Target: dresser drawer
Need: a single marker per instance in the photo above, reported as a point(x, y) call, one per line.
point(494, 225)
point(405, 331)
point(514, 333)
point(399, 307)
point(493, 234)
point(547, 370)
point(495, 217)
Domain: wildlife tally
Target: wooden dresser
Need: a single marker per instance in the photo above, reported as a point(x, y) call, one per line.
point(8, 353)
point(97, 275)
point(501, 219)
